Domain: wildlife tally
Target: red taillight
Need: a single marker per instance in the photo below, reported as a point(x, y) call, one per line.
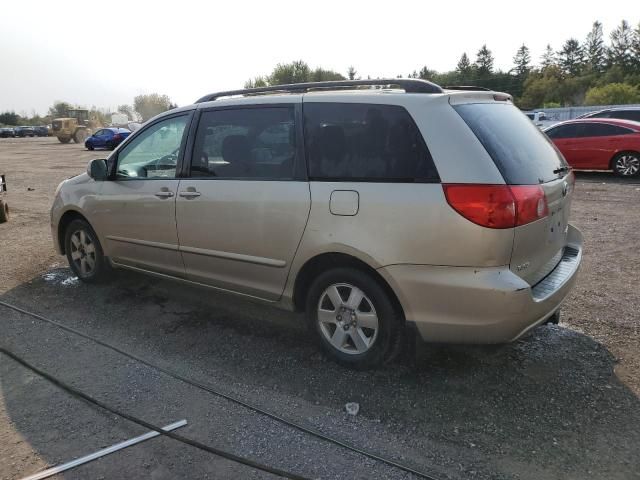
point(116, 136)
point(497, 206)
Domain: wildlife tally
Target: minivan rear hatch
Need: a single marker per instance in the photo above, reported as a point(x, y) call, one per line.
point(525, 156)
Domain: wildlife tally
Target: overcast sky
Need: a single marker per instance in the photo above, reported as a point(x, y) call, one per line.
point(105, 53)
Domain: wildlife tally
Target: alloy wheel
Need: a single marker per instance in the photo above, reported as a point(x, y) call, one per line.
point(347, 318)
point(627, 165)
point(83, 252)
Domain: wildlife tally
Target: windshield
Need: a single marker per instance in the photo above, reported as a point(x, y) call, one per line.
point(523, 154)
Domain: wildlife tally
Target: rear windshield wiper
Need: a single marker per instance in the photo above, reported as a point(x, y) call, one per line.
point(562, 169)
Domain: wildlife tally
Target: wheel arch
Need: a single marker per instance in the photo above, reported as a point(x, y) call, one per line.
point(621, 152)
point(66, 218)
point(325, 261)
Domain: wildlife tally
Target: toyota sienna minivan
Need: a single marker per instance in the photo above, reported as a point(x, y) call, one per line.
point(373, 205)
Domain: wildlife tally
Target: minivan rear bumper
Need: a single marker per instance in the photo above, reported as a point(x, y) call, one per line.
point(481, 305)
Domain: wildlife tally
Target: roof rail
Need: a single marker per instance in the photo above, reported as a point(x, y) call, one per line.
point(469, 88)
point(410, 85)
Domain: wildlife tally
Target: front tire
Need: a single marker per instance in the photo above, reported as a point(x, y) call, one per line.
point(85, 254)
point(353, 318)
point(626, 164)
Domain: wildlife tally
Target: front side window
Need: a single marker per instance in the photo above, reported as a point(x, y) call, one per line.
point(154, 152)
point(365, 142)
point(251, 143)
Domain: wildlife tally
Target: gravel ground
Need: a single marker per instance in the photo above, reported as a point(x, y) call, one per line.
point(561, 403)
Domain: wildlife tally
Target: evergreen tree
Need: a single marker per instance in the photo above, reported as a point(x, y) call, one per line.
point(351, 73)
point(548, 59)
point(635, 48)
point(464, 65)
point(571, 57)
point(426, 74)
point(522, 61)
point(621, 44)
point(595, 50)
point(484, 61)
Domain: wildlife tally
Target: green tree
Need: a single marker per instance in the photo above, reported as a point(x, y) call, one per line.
point(571, 57)
point(148, 106)
point(522, 61)
point(484, 61)
point(351, 73)
point(426, 73)
point(59, 109)
point(294, 72)
point(635, 48)
point(464, 67)
point(620, 52)
point(257, 82)
point(9, 118)
point(613, 94)
point(548, 58)
point(595, 50)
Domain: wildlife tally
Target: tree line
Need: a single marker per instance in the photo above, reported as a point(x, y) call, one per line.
point(587, 72)
point(143, 108)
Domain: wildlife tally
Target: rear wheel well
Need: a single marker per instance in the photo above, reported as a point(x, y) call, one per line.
point(64, 222)
point(326, 261)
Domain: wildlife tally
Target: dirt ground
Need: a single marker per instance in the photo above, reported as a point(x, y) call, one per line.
point(562, 403)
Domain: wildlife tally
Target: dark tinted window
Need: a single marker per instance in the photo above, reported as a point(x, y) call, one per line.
point(603, 130)
point(245, 143)
point(363, 142)
point(565, 131)
point(522, 153)
point(627, 115)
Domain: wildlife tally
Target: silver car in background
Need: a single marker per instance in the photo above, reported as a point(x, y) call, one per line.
point(374, 206)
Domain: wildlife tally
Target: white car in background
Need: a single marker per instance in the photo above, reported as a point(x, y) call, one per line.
point(540, 119)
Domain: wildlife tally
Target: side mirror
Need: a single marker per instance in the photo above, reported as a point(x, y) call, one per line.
point(97, 169)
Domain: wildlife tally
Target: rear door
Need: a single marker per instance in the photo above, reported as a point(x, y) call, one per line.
point(243, 207)
point(525, 156)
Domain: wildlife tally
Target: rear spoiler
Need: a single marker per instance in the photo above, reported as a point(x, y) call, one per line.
point(458, 96)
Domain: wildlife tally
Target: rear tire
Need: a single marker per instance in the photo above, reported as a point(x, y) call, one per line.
point(64, 139)
point(4, 211)
point(553, 319)
point(353, 318)
point(626, 164)
point(85, 254)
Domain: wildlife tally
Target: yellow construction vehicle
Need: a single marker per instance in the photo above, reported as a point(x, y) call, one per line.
point(76, 125)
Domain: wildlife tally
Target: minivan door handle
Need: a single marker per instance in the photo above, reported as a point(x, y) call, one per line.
point(190, 192)
point(164, 194)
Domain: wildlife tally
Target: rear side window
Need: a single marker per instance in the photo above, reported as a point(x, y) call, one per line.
point(365, 142)
point(603, 130)
point(627, 115)
point(522, 153)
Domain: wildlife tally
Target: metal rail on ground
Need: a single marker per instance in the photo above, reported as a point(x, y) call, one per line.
point(226, 396)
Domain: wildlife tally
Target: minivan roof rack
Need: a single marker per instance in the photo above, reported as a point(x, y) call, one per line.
point(469, 88)
point(410, 85)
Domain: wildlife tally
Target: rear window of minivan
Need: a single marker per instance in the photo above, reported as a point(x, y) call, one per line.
point(523, 154)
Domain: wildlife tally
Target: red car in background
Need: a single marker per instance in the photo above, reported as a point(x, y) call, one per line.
point(599, 144)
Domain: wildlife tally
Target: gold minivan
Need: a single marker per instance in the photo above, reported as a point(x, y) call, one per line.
point(373, 205)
